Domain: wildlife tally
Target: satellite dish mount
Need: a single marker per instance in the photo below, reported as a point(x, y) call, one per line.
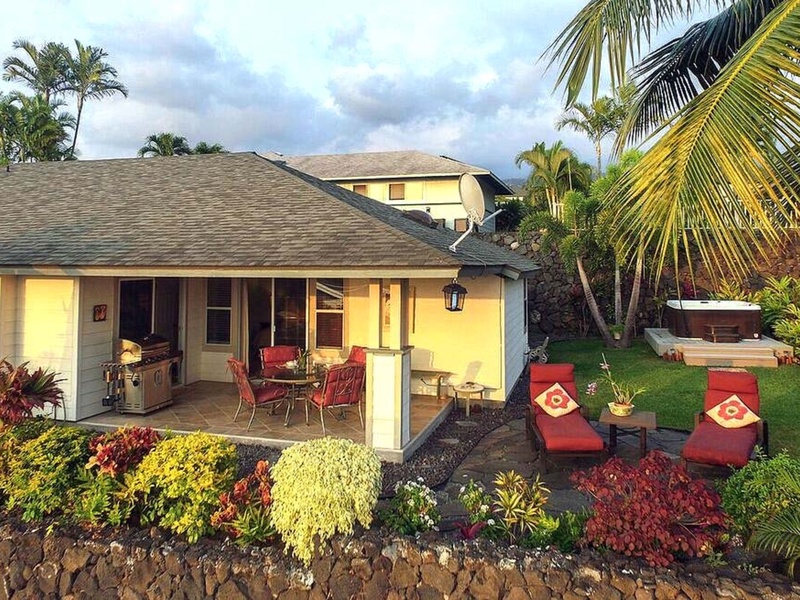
point(469, 189)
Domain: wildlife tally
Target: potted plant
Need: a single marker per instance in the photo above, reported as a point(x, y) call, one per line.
point(616, 331)
point(21, 391)
point(622, 405)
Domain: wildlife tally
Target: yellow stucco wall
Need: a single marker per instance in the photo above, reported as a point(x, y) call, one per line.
point(469, 343)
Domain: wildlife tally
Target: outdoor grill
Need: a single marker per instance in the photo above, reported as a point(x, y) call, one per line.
point(140, 380)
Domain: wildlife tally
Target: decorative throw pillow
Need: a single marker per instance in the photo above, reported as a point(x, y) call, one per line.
point(555, 401)
point(732, 413)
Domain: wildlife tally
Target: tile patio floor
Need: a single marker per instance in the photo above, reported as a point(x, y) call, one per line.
point(210, 407)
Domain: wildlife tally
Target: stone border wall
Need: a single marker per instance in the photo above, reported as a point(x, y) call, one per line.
point(143, 564)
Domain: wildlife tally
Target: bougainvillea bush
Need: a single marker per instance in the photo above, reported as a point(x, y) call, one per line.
point(22, 391)
point(245, 513)
point(655, 511)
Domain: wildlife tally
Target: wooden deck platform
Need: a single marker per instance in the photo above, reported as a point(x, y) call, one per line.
point(698, 352)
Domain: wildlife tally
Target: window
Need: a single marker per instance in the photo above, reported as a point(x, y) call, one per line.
point(330, 313)
point(218, 311)
point(460, 225)
point(397, 191)
point(360, 188)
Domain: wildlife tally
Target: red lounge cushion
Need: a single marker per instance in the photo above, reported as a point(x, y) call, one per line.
point(543, 376)
point(722, 384)
point(556, 401)
point(570, 433)
point(714, 445)
point(268, 393)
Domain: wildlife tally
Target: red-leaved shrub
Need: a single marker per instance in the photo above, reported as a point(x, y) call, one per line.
point(245, 512)
point(118, 452)
point(21, 391)
point(654, 511)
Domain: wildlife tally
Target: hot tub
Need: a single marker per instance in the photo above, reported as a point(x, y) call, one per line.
point(700, 318)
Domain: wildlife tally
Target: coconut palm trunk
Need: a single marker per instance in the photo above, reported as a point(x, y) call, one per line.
point(592, 303)
point(633, 302)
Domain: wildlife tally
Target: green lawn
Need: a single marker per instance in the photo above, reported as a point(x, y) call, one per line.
point(675, 391)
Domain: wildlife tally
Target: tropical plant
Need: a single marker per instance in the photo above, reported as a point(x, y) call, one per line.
point(89, 77)
point(720, 105)
point(165, 144)
point(413, 509)
point(654, 510)
point(781, 534)
point(22, 391)
point(555, 170)
point(11, 440)
point(206, 148)
point(46, 470)
point(120, 451)
point(246, 511)
point(623, 393)
point(323, 487)
point(43, 70)
point(31, 129)
point(178, 484)
point(755, 493)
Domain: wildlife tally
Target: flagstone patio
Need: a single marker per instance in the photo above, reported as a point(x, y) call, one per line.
point(210, 407)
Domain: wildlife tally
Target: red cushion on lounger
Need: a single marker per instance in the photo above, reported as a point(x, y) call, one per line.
point(543, 376)
point(570, 433)
point(722, 384)
point(712, 444)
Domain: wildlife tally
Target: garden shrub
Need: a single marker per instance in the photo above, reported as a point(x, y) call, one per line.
point(755, 494)
point(246, 512)
point(22, 391)
point(323, 487)
point(102, 496)
point(654, 511)
point(178, 484)
point(413, 508)
point(45, 471)
point(11, 439)
point(514, 513)
point(570, 529)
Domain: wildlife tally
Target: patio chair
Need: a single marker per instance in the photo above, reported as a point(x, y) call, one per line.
point(267, 395)
point(342, 388)
point(358, 356)
point(556, 424)
point(274, 359)
point(728, 428)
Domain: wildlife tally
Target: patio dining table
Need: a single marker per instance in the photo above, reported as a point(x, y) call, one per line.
point(297, 383)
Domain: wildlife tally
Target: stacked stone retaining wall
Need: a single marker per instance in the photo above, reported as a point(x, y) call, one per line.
point(142, 564)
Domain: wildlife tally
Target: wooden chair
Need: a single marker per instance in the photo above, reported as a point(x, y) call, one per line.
point(267, 395)
point(274, 359)
point(567, 435)
point(713, 444)
point(342, 388)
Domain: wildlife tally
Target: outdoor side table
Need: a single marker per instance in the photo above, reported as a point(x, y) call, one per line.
point(639, 419)
point(467, 390)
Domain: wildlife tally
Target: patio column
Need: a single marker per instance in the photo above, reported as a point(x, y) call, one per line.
point(388, 401)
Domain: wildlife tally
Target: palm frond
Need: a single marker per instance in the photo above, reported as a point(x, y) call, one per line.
point(616, 28)
point(672, 75)
point(724, 166)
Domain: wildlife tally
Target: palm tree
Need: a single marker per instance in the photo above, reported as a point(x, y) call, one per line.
point(593, 120)
point(165, 144)
point(721, 103)
point(42, 70)
point(88, 76)
point(554, 171)
point(206, 148)
point(35, 131)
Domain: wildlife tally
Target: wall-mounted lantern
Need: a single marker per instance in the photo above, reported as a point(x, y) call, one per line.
point(454, 296)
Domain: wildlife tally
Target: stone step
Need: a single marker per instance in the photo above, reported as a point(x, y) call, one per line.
point(706, 359)
point(730, 350)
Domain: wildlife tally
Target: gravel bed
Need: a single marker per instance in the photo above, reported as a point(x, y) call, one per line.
point(441, 453)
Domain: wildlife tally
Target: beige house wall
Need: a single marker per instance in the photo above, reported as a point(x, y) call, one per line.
point(95, 342)
point(8, 316)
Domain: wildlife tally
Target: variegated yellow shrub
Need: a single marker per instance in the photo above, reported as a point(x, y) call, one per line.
point(321, 488)
point(179, 482)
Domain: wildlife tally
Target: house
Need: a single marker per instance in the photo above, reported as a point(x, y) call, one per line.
point(408, 180)
point(219, 252)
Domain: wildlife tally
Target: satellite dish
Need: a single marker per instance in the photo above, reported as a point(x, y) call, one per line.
point(471, 194)
point(469, 189)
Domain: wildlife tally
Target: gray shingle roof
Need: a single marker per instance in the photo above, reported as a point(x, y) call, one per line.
point(215, 211)
point(386, 165)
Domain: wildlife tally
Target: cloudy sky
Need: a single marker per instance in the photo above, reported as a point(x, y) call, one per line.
point(446, 77)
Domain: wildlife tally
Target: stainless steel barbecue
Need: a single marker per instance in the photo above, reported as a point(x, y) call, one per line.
point(143, 366)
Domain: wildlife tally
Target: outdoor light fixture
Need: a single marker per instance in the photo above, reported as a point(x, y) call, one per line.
point(454, 296)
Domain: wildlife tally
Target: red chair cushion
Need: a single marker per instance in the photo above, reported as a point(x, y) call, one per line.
point(570, 433)
point(358, 355)
point(269, 393)
point(543, 376)
point(714, 445)
point(275, 371)
point(343, 386)
point(722, 384)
